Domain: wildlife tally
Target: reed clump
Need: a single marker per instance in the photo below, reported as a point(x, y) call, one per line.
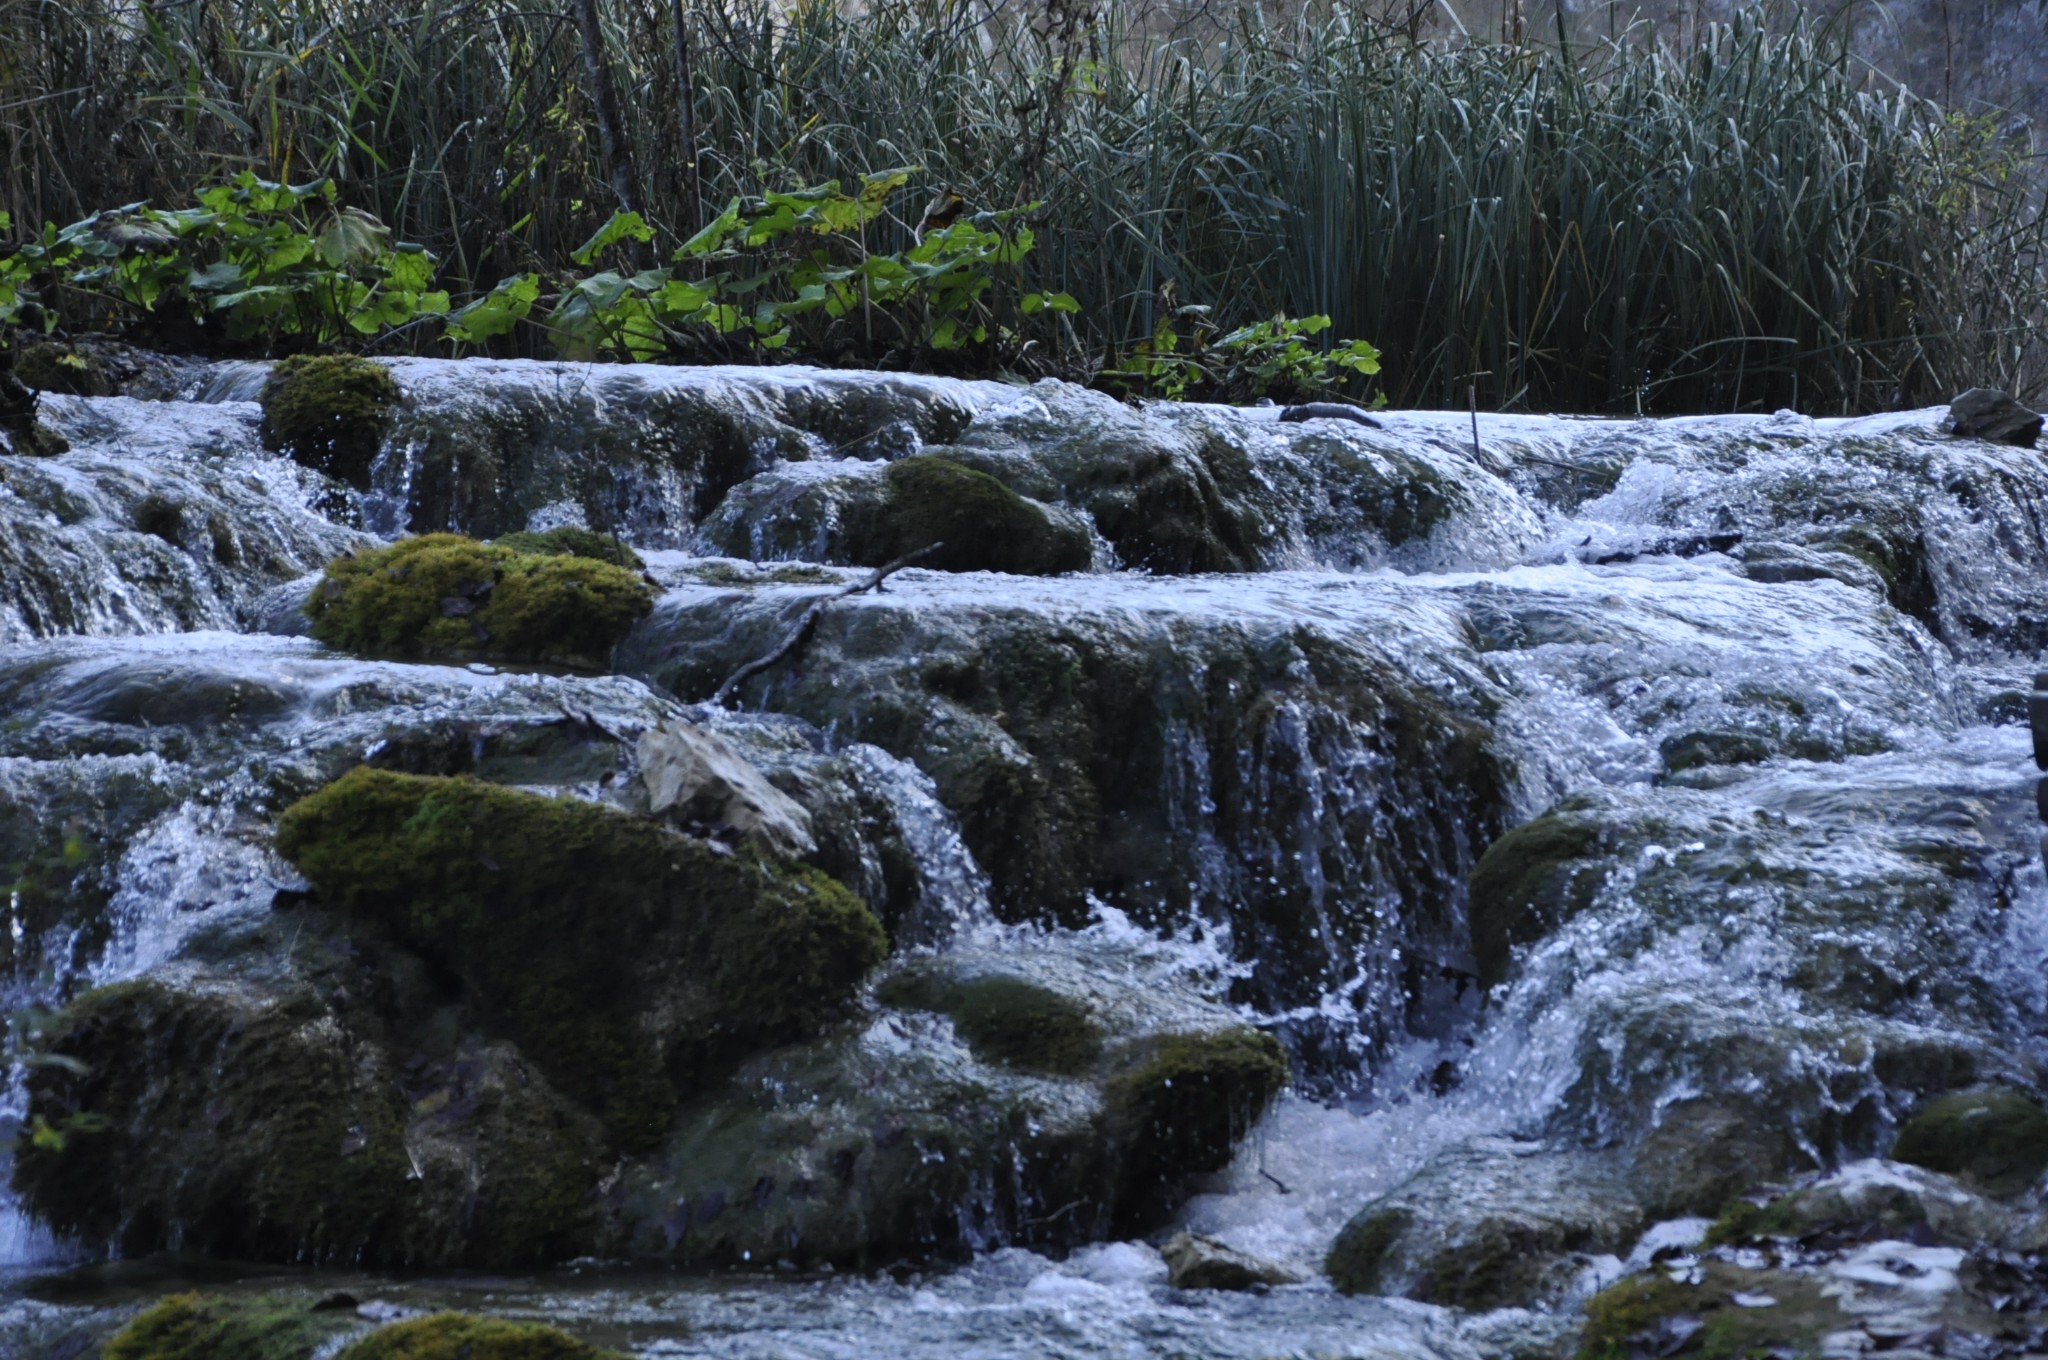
point(1746, 224)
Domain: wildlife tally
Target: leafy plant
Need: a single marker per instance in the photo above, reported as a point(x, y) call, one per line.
point(267, 264)
point(1267, 358)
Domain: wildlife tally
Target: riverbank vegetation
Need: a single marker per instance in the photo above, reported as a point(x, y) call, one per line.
point(1053, 188)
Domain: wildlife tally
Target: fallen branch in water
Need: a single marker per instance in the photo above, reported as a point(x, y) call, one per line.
point(796, 635)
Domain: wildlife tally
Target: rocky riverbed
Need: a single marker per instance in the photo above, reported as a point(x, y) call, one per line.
point(1506, 894)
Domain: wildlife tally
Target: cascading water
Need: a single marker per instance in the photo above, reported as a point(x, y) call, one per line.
point(1734, 701)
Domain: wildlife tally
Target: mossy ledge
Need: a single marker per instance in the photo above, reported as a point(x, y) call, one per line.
point(446, 595)
point(983, 524)
point(329, 412)
point(629, 962)
point(219, 1327)
point(1005, 1020)
point(1176, 1106)
point(458, 1336)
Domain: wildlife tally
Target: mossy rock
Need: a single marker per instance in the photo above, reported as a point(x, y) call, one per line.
point(1995, 1137)
point(458, 1336)
point(53, 366)
point(446, 595)
point(234, 1127)
point(215, 1327)
point(1654, 1315)
point(1177, 1105)
point(1005, 1020)
point(629, 962)
point(570, 540)
point(1745, 1221)
point(329, 412)
point(1528, 883)
point(983, 525)
point(1356, 1262)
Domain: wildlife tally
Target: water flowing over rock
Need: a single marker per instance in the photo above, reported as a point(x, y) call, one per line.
point(1602, 829)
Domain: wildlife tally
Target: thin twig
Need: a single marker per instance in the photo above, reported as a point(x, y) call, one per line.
point(796, 635)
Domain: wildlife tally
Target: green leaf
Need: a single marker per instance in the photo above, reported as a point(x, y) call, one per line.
point(352, 236)
point(623, 226)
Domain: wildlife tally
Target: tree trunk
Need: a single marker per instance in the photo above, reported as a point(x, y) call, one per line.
point(604, 97)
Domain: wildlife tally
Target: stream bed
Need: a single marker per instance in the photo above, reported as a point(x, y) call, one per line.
point(1605, 820)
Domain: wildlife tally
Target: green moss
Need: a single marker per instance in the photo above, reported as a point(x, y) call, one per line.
point(457, 1336)
point(628, 961)
point(1527, 884)
point(1356, 1262)
point(1996, 1137)
point(983, 524)
point(1178, 1105)
point(1628, 1309)
point(1005, 1020)
point(571, 541)
point(52, 366)
point(202, 1327)
point(445, 595)
point(1745, 1221)
point(231, 1127)
point(1622, 1318)
point(330, 412)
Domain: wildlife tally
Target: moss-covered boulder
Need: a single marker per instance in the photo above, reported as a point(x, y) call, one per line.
point(1528, 882)
point(446, 595)
point(459, 1336)
point(240, 1128)
point(631, 963)
point(1007, 1020)
point(982, 524)
point(571, 540)
point(329, 412)
point(223, 1327)
point(1176, 1107)
point(1488, 1225)
point(1994, 1137)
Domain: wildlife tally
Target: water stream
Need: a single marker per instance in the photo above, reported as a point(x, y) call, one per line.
point(1763, 675)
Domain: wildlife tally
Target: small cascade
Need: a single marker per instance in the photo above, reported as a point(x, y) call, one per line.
point(1602, 816)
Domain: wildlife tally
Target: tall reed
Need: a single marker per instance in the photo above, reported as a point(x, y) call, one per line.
point(1743, 225)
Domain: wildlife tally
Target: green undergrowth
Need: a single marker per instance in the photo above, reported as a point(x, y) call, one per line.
point(629, 962)
point(443, 595)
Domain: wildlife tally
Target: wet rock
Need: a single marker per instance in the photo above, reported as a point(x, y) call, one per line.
point(162, 518)
point(697, 775)
point(899, 1141)
point(1487, 1225)
point(1869, 1201)
point(1079, 737)
point(1004, 1019)
point(104, 366)
point(1986, 413)
point(852, 512)
point(443, 595)
point(572, 924)
point(1197, 1262)
point(330, 412)
point(1993, 1137)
